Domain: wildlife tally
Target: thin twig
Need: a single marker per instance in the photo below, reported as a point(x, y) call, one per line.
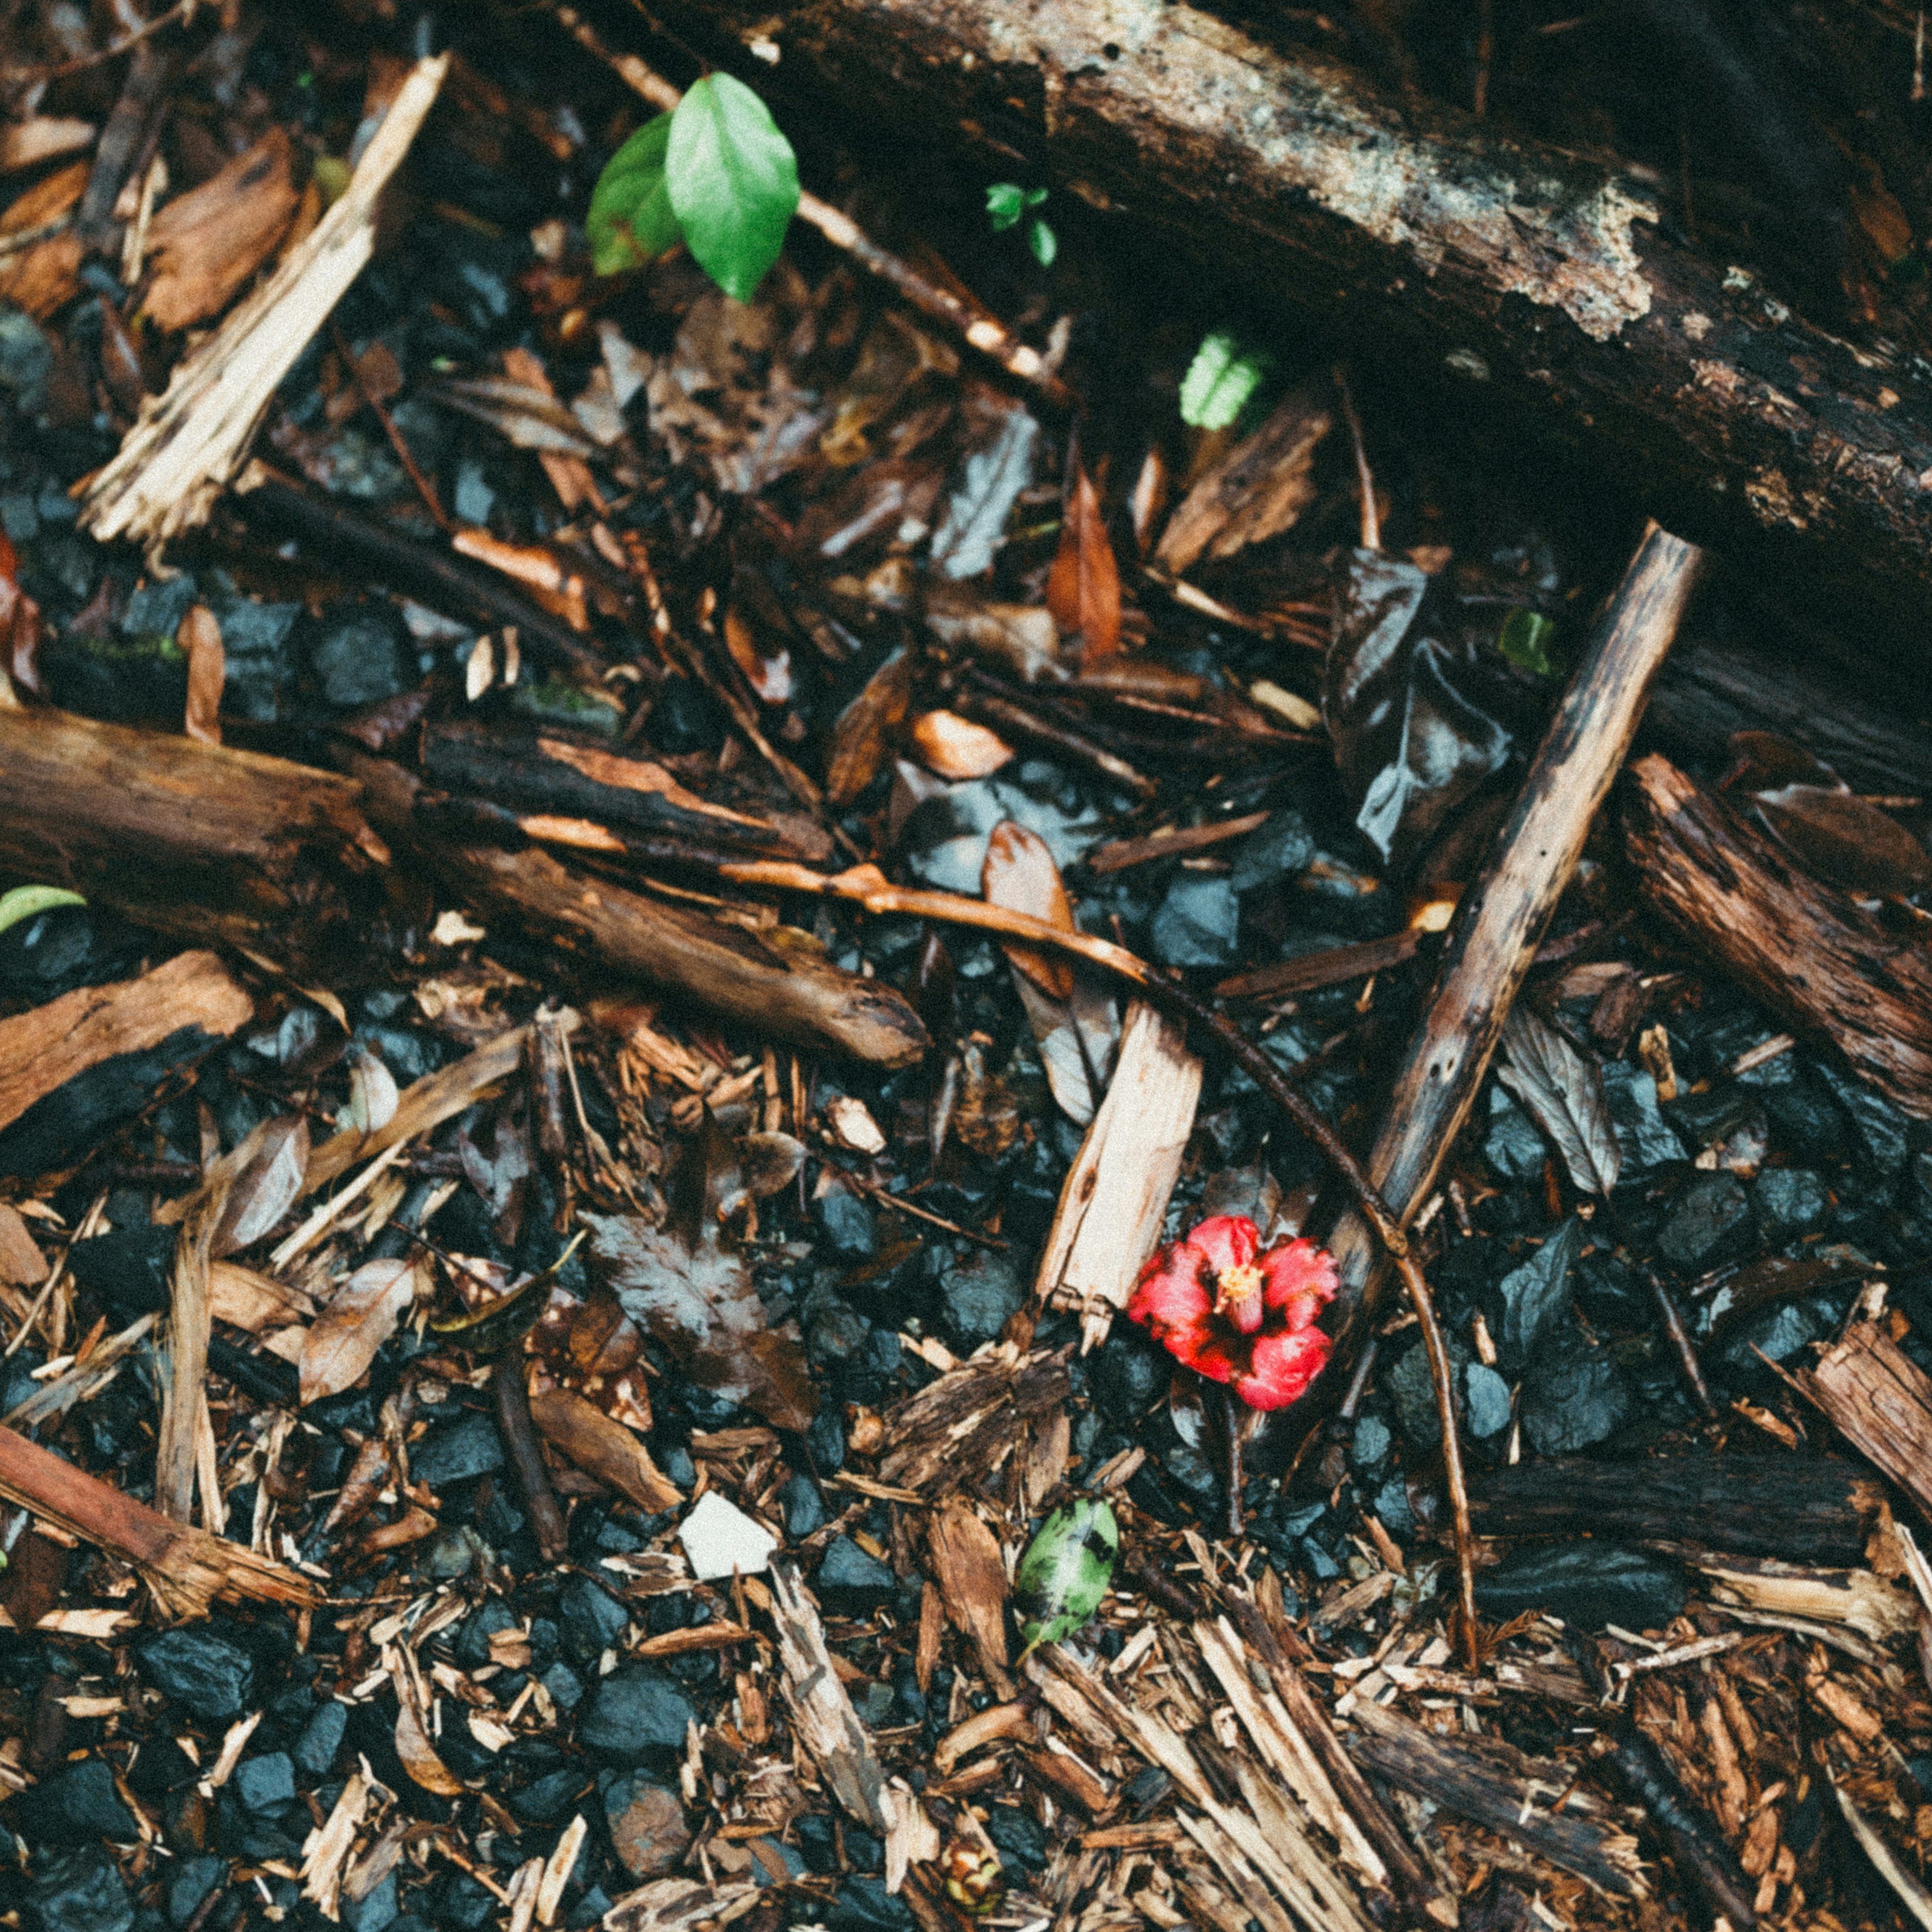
point(1372, 526)
point(20, 76)
point(425, 488)
point(519, 1439)
point(983, 331)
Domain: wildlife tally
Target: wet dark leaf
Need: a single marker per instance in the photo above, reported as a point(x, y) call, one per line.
point(1846, 840)
point(1410, 748)
point(698, 1302)
point(1001, 439)
point(270, 1164)
point(1067, 1571)
point(499, 1323)
point(704, 1183)
point(1535, 1295)
point(768, 1162)
point(1083, 590)
point(1564, 1091)
point(935, 993)
point(861, 734)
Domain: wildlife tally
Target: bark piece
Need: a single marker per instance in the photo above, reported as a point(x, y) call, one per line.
point(1799, 1508)
point(1329, 967)
point(1502, 920)
point(1880, 1400)
point(180, 456)
point(1115, 1195)
point(181, 1008)
point(1806, 950)
point(966, 1555)
point(602, 1447)
point(1456, 1778)
point(187, 1569)
point(1255, 491)
point(1539, 275)
point(956, 1430)
point(205, 244)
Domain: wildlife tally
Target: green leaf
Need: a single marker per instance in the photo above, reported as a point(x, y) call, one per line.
point(733, 182)
point(630, 222)
point(1044, 243)
point(1006, 203)
point(1066, 1571)
point(1526, 640)
point(23, 901)
point(1218, 383)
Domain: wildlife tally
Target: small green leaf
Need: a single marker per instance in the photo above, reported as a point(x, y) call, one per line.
point(1006, 203)
point(733, 182)
point(630, 222)
point(23, 901)
point(1044, 243)
point(1218, 383)
point(1066, 1571)
point(1525, 641)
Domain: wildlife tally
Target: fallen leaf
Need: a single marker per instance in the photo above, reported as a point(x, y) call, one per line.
point(1256, 490)
point(271, 1164)
point(254, 1302)
point(1058, 1584)
point(852, 1125)
point(21, 1261)
point(205, 244)
point(1564, 1091)
point(695, 1298)
point(859, 744)
point(1019, 875)
point(955, 748)
point(361, 1316)
point(768, 673)
point(1083, 589)
point(418, 1754)
point(1845, 840)
point(576, 1429)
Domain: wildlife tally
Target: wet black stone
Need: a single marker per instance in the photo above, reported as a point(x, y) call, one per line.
point(188, 1882)
point(804, 1507)
point(635, 1717)
point(78, 1804)
point(128, 1266)
point(1512, 1147)
point(1019, 1837)
point(82, 1891)
point(1129, 1374)
point(1642, 1133)
point(1879, 1129)
point(458, 1902)
point(825, 1440)
point(1589, 1583)
point(1370, 1444)
point(550, 1799)
point(846, 1222)
point(1198, 921)
point(1277, 850)
point(591, 1619)
point(685, 718)
point(852, 1583)
point(258, 658)
point(565, 1686)
point(161, 1767)
point(314, 1751)
point(456, 1452)
point(834, 1331)
point(815, 1840)
point(261, 1784)
point(1611, 1294)
point(1485, 1398)
point(979, 1294)
point(1788, 1200)
point(1535, 1296)
point(1805, 1125)
point(473, 1641)
point(1574, 1396)
point(360, 652)
point(1407, 1385)
point(204, 1674)
point(1710, 1223)
point(65, 947)
point(375, 1910)
point(864, 1905)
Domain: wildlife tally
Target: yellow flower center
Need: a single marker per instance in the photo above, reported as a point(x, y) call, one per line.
point(1238, 1286)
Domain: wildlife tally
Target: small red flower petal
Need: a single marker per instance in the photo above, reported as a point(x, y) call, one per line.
point(1301, 1278)
point(1226, 1241)
point(1282, 1369)
point(1173, 1302)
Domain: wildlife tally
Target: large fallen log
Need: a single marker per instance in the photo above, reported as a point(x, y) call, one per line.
point(206, 843)
point(1535, 273)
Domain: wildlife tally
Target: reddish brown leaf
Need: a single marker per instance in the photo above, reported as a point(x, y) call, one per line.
point(769, 673)
point(860, 733)
point(208, 242)
point(360, 1318)
point(418, 1754)
point(200, 636)
point(1020, 875)
point(1083, 591)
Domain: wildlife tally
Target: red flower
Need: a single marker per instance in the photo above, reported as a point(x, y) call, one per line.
point(1237, 1316)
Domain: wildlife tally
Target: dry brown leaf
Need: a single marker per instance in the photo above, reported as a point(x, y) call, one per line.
point(860, 732)
point(200, 636)
point(361, 1316)
point(601, 1447)
point(1083, 590)
point(248, 1300)
point(417, 1753)
point(207, 243)
point(26, 144)
point(955, 747)
point(1019, 874)
point(21, 1260)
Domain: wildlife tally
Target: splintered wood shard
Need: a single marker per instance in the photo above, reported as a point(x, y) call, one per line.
point(1115, 1195)
point(180, 456)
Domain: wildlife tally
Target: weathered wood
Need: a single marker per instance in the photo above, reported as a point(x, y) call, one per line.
point(1115, 1195)
point(1531, 272)
point(1807, 951)
point(1880, 1400)
point(1805, 1508)
point(1502, 919)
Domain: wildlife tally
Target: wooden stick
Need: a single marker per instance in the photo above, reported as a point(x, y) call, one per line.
point(520, 1437)
point(1805, 948)
point(958, 312)
point(1501, 921)
point(187, 1569)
